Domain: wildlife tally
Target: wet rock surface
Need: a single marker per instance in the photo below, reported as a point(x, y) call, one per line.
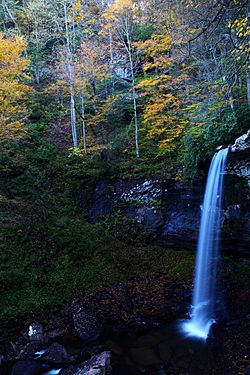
point(170, 212)
point(36, 333)
point(239, 158)
point(88, 324)
point(97, 365)
point(242, 143)
point(131, 308)
point(57, 354)
point(29, 350)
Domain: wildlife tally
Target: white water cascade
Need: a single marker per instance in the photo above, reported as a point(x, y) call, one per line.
point(204, 296)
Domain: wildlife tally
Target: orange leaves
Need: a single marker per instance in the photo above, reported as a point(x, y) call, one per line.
point(161, 114)
point(11, 65)
point(153, 84)
point(166, 102)
point(118, 8)
point(158, 44)
point(119, 18)
point(77, 6)
point(13, 90)
point(92, 60)
point(157, 52)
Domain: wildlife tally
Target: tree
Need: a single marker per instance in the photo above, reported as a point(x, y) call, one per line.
point(162, 114)
point(13, 90)
point(70, 74)
point(8, 16)
point(92, 68)
point(120, 20)
point(40, 22)
point(239, 31)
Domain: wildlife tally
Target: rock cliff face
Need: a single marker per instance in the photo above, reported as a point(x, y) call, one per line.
point(170, 211)
point(239, 160)
point(242, 144)
point(237, 196)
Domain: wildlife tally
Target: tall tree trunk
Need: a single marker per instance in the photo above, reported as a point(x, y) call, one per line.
point(73, 117)
point(134, 96)
point(6, 8)
point(248, 60)
point(94, 94)
point(83, 123)
point(248, 82)
point(111, 53)
point(74, 29)
point(71, 82)
point(37, 70)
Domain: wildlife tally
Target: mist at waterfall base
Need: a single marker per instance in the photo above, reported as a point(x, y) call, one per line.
point(202, 312)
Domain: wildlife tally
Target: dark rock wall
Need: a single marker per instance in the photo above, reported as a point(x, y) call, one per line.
point(170, 211)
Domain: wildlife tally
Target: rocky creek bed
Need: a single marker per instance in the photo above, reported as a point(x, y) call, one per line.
point(130, 329)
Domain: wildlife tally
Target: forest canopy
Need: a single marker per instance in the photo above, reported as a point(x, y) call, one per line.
point(164, 82)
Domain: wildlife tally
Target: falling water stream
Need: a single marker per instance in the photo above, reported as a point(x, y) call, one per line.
point(204, 296)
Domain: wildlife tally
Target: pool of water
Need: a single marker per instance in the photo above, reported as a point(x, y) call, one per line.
point(164, 350)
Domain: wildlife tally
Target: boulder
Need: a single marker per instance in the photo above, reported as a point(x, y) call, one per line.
point(57, 354)
point(240, 168)
point(150, 218)
point(242, 143)
point(57, 332)
point(88, 324)
point(97, 365)
point(238, 159)
point(29, 350)
point(147, 191)
point(36, 333)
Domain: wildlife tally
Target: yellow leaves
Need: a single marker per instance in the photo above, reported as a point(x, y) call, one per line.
point(77, 5)
point(13, 91)
point(242, 29)
point(156, 51)
point(160, 62)
point(122, 4)
point(164, 103)
point(11, 49)
point(118, 9)
point(158, 44)
point(92, 62)
point(161, 119)
point(161, 114)
point(193, 31)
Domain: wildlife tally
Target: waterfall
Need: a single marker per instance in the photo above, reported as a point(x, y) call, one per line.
point(204, 295)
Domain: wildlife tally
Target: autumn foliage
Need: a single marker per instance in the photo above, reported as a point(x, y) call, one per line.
point(13, 90)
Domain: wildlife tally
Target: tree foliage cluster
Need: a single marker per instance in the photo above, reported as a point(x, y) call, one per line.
point(159, 81)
